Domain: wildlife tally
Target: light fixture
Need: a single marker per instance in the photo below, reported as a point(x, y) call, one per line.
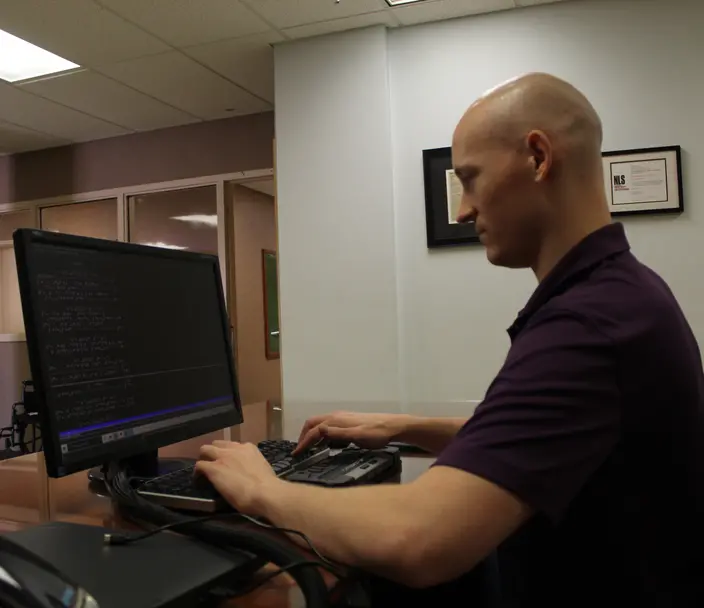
point(163, 245)
point(400, 2)
point(198, 219)
point(22, 60)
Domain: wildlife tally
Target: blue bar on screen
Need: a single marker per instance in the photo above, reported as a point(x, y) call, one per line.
point(170, 410)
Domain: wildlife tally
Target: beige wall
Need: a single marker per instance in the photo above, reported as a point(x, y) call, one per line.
point(254, 230)
point(11, 320)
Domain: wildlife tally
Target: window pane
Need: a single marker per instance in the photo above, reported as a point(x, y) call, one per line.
point(96, 219)
point(9, 222)
point(177, 219)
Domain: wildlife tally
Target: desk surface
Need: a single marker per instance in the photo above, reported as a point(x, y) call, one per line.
point(73, 501)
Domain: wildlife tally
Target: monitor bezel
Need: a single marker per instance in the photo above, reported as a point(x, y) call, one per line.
point(23, 240)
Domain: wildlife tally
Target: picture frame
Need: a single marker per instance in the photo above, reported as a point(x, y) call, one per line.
point(644, 181)
point(443, 193)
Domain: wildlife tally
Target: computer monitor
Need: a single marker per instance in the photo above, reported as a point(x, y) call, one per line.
point(129, 347)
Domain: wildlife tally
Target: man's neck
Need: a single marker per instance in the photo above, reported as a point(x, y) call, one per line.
point(564, 238)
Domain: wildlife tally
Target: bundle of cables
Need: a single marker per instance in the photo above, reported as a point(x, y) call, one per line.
point(256, 540)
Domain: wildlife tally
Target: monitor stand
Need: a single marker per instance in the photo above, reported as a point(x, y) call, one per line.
point(147, 465)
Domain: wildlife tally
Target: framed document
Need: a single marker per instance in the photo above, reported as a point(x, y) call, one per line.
point(644, 181)
point(443, 195)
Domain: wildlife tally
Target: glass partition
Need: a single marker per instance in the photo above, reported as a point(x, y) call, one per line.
point(96, 219)
point(176, 219)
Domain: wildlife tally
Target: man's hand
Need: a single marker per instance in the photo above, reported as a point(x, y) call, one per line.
point(370, 431)
point(239, 472)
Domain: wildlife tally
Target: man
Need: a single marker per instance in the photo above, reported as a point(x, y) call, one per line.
point(583, 464)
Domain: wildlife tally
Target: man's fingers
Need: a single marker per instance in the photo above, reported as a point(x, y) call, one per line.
point(310, 424)
point(343, 434)
point(311, 437)
point(331, 433)
point(205, 467)
point(210, 452)
point(220, 443)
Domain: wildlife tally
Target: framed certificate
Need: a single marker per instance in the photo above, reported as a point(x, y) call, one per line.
point(443, 195)
point(644, 181)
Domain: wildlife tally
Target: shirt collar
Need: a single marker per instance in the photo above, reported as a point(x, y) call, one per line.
point(583, 257)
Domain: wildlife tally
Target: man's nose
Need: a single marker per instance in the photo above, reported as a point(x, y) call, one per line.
point(466, 214)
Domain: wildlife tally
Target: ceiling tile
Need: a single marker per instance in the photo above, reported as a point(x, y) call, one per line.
point(22, 108)
point(109, 100)
point(183, 83)
point(78, 30)
point(290, 13)
point(435, 10)
point(340, 25)
point(18, 139)
point(247, 61)
point(190, 22)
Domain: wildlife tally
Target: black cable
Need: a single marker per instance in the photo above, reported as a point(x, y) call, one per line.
point(118, 538)
point(229, 538)
point(126, 539)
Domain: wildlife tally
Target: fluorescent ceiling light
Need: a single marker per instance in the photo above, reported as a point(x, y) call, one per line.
point(199, 220)
point(21, 60)
point(400, 2)
point(163, 245)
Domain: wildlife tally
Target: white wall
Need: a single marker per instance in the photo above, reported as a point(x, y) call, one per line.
point(639, 63)
point(337, 268)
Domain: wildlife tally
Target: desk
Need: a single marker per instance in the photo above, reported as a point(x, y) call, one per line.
point(78, 504)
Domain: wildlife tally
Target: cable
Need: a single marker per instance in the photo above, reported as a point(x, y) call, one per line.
point(262, 547)
point(117, 539)
point(126, 539)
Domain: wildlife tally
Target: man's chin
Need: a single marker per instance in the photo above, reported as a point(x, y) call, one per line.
point(493, 256)
point(498, 258)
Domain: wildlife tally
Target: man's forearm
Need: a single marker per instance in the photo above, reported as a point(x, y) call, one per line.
point(364, 527)
point(431, 434)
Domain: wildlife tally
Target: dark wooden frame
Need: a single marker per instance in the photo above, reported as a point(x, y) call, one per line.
point(269, 354)
point(655, 210)
point(439, 231)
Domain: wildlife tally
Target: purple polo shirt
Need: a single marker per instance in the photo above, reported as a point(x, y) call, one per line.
point(596, 420)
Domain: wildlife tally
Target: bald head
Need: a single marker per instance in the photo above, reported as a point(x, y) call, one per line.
point(506, 114)
point(528, 154)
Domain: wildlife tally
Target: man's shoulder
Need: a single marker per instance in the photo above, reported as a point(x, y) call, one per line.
point(622, 299)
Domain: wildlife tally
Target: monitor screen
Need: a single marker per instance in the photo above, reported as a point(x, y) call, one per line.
point(129, 347)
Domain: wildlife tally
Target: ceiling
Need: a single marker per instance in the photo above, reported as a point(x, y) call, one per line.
point(151, 64)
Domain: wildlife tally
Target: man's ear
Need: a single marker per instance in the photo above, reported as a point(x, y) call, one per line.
point(540, 151)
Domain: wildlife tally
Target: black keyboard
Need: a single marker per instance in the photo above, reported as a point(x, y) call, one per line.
point(352, 466)
point(182, 489)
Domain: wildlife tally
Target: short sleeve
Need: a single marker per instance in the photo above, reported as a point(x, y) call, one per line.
point(550, 418)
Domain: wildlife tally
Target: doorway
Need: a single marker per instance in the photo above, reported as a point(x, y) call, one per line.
point(254, 306)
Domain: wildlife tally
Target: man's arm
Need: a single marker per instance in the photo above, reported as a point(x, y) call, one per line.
point(431, 434)
point(418, 534)
point(376, 430)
